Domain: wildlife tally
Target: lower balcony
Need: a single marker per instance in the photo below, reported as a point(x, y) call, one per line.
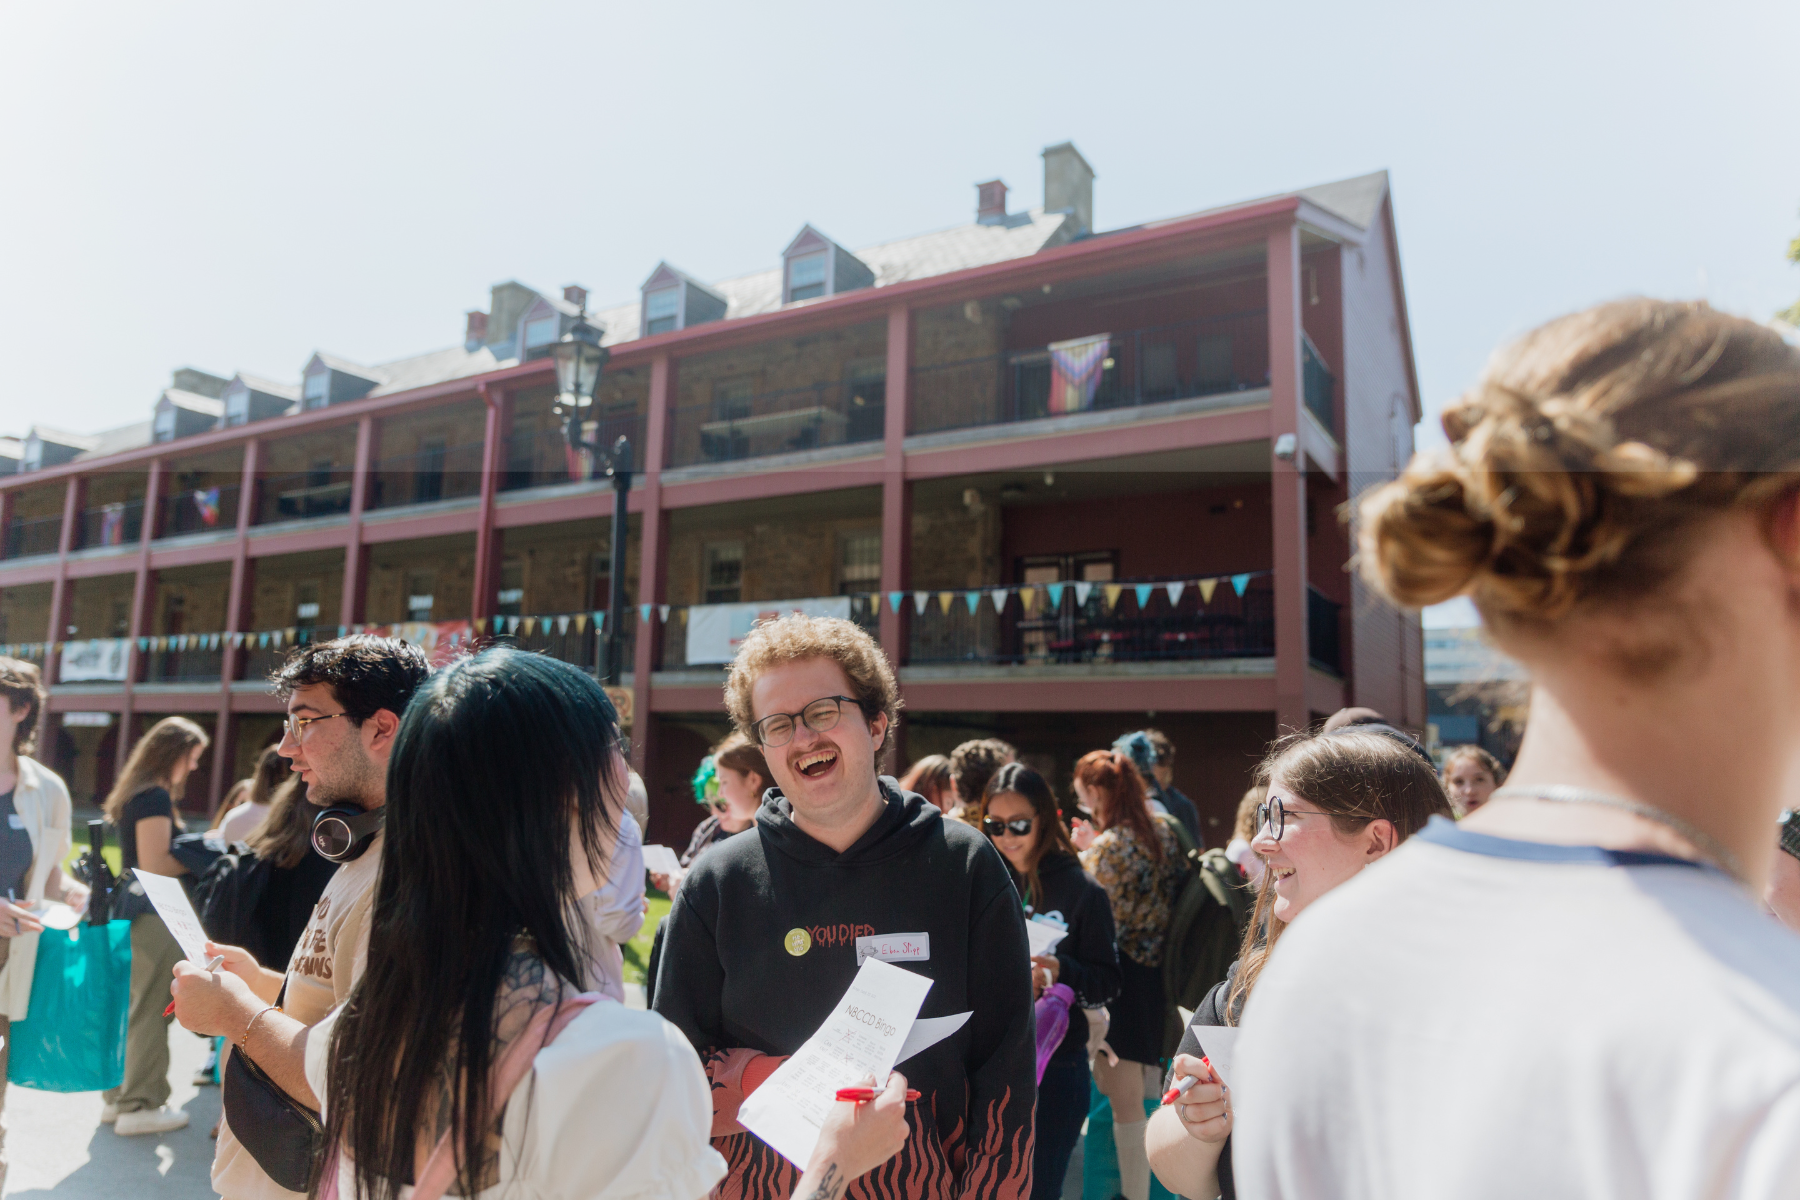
point(33, 535)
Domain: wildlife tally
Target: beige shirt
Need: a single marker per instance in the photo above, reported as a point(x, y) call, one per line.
point(327, 962)
point(42, 802)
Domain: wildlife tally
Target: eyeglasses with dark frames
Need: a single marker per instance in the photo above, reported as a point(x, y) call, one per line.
point(1273, 815)
point(1018, 826)
point(821, 716)
point(296, 726)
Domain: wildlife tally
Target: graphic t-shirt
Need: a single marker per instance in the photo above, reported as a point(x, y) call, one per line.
point(330, 956)
point(1483, 1018)
point(15, 849)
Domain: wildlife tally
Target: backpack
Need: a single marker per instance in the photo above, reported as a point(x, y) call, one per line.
point(226, 896)
point(1206, 927)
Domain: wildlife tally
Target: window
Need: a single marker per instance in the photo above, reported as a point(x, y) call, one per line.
point(419, 586)
point(867, 409)
point(428, 471)
point(859, 563)
point(540, 332)
point(722, 573)
point(165, 423)
point(237, 407)
point(318, 390)
point(662, 311)
point(806, 277)
point(306, 602)
point(1214, 373)
point(509, 600)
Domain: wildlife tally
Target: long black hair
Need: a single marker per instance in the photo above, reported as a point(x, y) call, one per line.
point(498, 759)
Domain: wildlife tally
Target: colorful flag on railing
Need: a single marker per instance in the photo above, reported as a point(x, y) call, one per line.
point(1075, 370)
point(207, 501)
point(112, 524)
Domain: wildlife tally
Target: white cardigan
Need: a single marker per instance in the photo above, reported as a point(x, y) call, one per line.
point(42, 802)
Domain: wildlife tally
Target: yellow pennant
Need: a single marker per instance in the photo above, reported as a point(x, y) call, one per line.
point(580, 622)
point(944, 601)
point(1112, 594)
point(1206, 590)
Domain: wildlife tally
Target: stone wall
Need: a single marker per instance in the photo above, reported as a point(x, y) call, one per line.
point(446, 563)
point(99, 607)
point(276, 584)
point(25, 613)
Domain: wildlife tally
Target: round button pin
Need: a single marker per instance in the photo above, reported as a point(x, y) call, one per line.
point(797, 941)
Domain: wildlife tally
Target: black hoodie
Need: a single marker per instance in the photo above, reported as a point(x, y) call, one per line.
point(1087, 958)
point(761, 945)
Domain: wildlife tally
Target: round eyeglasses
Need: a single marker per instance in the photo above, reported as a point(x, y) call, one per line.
point(1273, 815)
point(1018, 826)
point(821, 716)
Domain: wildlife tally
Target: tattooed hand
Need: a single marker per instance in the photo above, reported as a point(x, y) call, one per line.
point(856, 1139)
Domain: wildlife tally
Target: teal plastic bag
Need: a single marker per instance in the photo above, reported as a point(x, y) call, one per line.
point(73, 1036)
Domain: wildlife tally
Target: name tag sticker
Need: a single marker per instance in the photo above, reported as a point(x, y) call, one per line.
point(15, 821)
point(894, 947)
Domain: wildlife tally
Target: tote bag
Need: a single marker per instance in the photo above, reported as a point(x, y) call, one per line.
point(73, 1038)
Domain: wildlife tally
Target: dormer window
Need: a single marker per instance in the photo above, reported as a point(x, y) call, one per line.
point(318, 393)
point(662, 311)
point(164, 430)
point(541, 332)
point(237, 406)
point(806, 277)
point(814, 266)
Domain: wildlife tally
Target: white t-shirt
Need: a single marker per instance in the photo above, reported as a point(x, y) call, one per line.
point(1476, 1017)
point(617, 1108)
point(616, 912)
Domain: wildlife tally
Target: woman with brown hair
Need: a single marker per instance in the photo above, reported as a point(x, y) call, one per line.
point(257, 800)
point(1018, 813)
point(930, 778)
point(1332, 804)
point(1470, 777)
point(142, 808)
point(1575, 990)
point(1137, 858)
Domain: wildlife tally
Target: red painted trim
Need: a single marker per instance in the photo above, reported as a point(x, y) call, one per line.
point(59, 589)
point(236, 610)
point(297, 541)
point(62, 702)
point(176, 702)
point(1323, 693)
point(896, 492)
point(41, 572)
point(653, 553)
point(578, 506)
point(1287, 480)
point(758, 485)
point(140, 598)
point(423, 525)
point(1147, 437)
point(350, 607)
point(486, 541)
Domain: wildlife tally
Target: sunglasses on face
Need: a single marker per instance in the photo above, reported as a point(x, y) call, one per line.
point(1018, 826)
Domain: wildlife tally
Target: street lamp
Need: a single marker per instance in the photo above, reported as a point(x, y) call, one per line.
point(579, 360)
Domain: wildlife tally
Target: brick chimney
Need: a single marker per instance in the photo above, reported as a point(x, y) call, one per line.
point(990, 202)
point(475, 336)
point(1069, 185)
point(576, 294)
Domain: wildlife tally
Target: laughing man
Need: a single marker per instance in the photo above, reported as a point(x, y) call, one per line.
point(763, 938)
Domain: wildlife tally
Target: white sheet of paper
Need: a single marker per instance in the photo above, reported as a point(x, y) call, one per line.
point(1218, 1042)
point(660, 860)
point(171, 902)
point(928, 1032)
point(863, 1036)
point(1043, 936)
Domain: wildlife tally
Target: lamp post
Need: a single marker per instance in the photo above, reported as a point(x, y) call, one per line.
point(579, 360)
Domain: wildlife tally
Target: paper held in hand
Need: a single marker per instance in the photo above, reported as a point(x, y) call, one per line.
point(1218, 1043)
point(660, 860)
point(171, 902)
point(872, 1028)
point(1043, 936)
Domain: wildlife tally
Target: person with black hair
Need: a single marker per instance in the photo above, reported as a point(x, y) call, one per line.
point(344, 703)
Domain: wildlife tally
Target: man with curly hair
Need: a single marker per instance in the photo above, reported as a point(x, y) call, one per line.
point(769, 929)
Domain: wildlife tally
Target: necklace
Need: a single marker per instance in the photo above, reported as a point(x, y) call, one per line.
point(1712, 852)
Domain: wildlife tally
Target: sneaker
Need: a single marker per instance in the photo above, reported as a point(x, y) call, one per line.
point(150, 1120)
point(109, 1113)
point(208, 1074)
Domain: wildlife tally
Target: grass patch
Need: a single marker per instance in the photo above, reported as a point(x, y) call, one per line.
point(637, 950)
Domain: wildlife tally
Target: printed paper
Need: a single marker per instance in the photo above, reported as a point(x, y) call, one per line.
point(660, 860)
point(1043, 935)
point(171, 902)
point(862, 1037)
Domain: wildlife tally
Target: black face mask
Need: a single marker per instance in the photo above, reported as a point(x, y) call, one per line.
point(342, 834)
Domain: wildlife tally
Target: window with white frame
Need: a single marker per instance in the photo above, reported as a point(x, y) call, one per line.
point(165, 423)
point(859, 563)
point(662, 311)
point(318, 390)
point(722, 572)
point(237, 407)
point(540, 332)
point(806, 276)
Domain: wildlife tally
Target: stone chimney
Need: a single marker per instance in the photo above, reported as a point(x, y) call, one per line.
point(990, 203)
point(475, 335)
point(1069, 185)
point(576, 294)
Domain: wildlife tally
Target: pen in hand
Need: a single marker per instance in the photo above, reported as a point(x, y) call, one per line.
point(1187, 1081)
point(212, 965)
point(863, 1095)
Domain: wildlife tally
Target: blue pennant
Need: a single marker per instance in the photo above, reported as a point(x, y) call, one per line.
point(1240, 582)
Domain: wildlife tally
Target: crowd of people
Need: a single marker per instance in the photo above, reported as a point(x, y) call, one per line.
point(1399, 977)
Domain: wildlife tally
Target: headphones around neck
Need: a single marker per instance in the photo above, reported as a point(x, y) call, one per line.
point(343, 833)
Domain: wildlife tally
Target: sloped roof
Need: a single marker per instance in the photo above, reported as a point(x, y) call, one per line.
point(345, 367)
point(268, 387)
point(193, 401)
point(422, 370)
point(1356, 200)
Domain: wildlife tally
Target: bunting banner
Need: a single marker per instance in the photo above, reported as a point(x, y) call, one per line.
point(1240, 582)
point(1174, 590)
point(530, 626)
point(662, 613)
point(644, 613)
point(715, 631)
point(562, 626)
point(1112, 591)
point(894, 601)
point(1056, 591)
point(998, 595)
point(344, 629)
point(1143, 591)
point(920, 599)
point(581, 622)
point(944, 601)
point(1206, 590)
point(480, 624)
point(599, 622)
point(1082, 591)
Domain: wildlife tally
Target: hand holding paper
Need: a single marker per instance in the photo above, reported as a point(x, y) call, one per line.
point(171, 903)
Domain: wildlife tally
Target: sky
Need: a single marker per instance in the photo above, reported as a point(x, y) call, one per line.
point(231, 186)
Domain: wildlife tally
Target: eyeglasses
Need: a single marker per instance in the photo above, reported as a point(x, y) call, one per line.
point(1018, 826)
point(821, 716)
point(1273, 814)
point(296, 726)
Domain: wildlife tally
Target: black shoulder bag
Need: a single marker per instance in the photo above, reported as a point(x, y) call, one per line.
point(286, 1138)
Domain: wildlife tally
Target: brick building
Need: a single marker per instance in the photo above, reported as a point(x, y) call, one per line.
point(1075, 481)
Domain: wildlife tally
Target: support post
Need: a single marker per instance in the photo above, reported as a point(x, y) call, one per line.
point(1287, 479)
point(652, 561)
point(140, 603)
point(237, 606)
point(59, 589)
point(350, 609)
point(489, 542)
point(896, 492)
point(8, 502)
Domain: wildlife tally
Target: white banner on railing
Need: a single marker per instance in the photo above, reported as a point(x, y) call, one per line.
point(714, 631)
point(97, 658)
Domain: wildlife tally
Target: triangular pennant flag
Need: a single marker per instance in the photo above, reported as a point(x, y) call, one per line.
point(998, 596)
point(1240, 582)
point(683, 613)
point(343, 629)
point(1143, 595)
point(143, 645)
point(1112, 591)
point(290, 631)
point(1056, 591)
point(973, 599)
point(262, 641)
point(512, 625)
point(919, 601)
point(662, 613)
point(894, 599)
point(1175, 590)
point(580, 622)
point(644, 612)
point(944, 599)
point(480, 624)
point(1206, 590)
point(1082, 590)
point(562, 626)
point(599, 622)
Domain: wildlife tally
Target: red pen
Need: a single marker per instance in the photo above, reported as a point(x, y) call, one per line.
point(864, 1095)
point(211, 966)
point(1185, 1082)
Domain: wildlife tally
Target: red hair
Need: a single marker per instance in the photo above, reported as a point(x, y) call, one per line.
point(1113, 776)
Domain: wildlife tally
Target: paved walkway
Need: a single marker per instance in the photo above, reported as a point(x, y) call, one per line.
point(56, 1142)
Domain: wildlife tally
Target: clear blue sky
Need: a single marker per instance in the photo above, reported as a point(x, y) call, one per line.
point(231, 186)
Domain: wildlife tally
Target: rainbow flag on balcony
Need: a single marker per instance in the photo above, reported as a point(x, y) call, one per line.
point(1075, 369)
point(207, 502)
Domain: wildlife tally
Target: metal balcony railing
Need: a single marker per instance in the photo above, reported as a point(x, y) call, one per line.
point(755, 425)
point(200, 510)
point(33, 535)
point(115, 524)
point(542, 458)
point(303, 494)
point(427, 475)
point(193, 665)
point(865, 610)
point(578, 643)
point(1324, 631)
point(1317, 383)
point(1098, 371)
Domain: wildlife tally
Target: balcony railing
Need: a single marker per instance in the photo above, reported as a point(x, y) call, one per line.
point(115, 524)
point(727, 429)
point(434, 473)
point(1316, 387)
point(200, 510)
point(303, 494)
point(865, 610)
point(579, 643)
point(1096, 372)
point(33, 535)
point(192, 665)
point(1141, 620)
point(542, 458)
point(1324, 631)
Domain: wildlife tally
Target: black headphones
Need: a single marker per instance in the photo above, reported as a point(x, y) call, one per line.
point(342, 834)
